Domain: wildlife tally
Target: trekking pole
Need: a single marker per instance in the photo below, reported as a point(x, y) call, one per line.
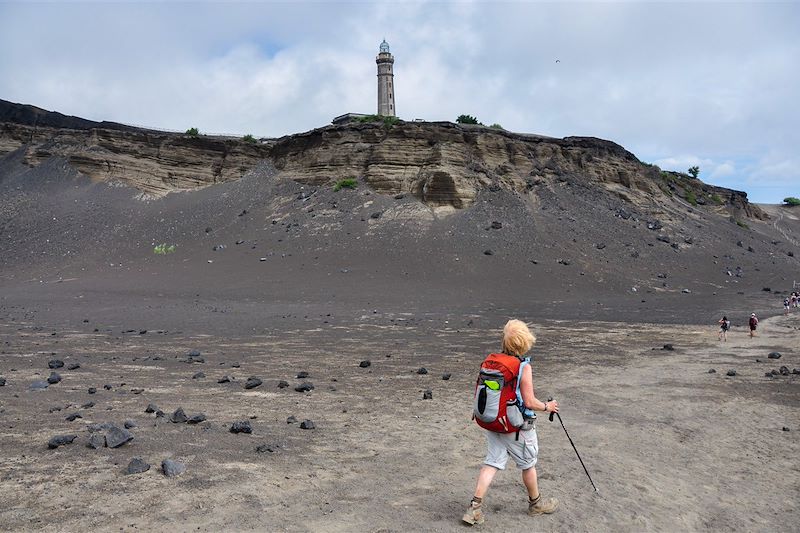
point(573, 445)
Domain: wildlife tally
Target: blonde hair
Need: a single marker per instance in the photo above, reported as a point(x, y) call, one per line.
point(517, 338)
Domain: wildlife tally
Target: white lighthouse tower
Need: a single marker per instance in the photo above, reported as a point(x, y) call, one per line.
point(385, 60)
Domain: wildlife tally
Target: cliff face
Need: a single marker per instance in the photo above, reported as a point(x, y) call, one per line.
point(442, 164)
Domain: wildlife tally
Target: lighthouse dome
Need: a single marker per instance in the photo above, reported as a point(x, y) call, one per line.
point(384, 47)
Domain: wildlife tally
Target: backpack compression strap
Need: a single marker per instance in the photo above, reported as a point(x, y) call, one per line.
point(527, 413)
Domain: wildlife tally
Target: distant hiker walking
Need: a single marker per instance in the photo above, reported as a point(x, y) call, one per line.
point(753, 324)
point(504, 406)
point(724, 326)
point(786, 306)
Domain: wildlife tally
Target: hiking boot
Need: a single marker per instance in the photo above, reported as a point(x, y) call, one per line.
point(541, 505)
point(474, 514)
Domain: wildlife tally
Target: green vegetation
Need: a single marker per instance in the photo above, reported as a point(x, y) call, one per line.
point(467, 119)
point(690, 197)
point(249, 139)
point(163, 249)
point(497, 126)
point(716, 199)
point(742, 224)
point(347, 183)
point(791, 201)
point(694, 171)
point(192, 132)
point(388, 122)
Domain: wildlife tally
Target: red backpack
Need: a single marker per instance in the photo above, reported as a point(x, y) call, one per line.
point(497, 398)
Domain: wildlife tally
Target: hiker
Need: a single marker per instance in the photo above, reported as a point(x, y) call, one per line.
point(724, 326)
point(753, 324)
point(786, 305)
point(504, 407)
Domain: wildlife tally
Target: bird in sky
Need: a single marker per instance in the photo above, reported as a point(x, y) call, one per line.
point(558, 61)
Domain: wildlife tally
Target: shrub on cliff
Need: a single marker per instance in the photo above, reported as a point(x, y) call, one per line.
point(347, 183)
point(249, 139)
point(694, 171)
point(467, 119)
point(497, 126)
point(690, 197)
point(388, 122)
point(192, 132)
point(792, 201)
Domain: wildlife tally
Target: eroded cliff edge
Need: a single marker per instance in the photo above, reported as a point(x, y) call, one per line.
point(443, 164)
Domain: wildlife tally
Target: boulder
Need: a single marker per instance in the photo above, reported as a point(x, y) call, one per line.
point(365, 364)
point(422, 370)
point(224, 379)
point(774, 355)
point(172, 468)
point(252, 382)
point(302, 375)
point(291, 419)
point(151, 408)
point(712, 371)
point(54, 378)
point(116, 437)
point(305, 386)
point(129, 424)
point(241, 427)
point(178, 417)
point(39, 385)
point(427, 395)
point(55, 363)
point(73, 417)
point(668, 347)
point(137, 466)
point(60, 440)
point(784, 371)
point(307, 424)
point(196, 419)
point(73, 366)
point(446, 376)
point(96, 441)
point(730, 373)
point(283, 384)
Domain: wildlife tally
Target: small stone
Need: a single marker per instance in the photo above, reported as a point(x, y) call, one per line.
point(241, 427)
point(307, 424)
point(151, 408)
point(178, 417)
point(172, 468)
point(87, 405)
point(54, 378)
point(488, 252)
point(193, 353)
point(137, 466)
point(198, 375)
point(306, 386)
point(422, 370)
point(427, 395)
point(302, 375)
point(376, 215)
point(731, 373)
point(116, 437)
point(96, 441)
point(137, 391)
point(786, 428)
point(263, 448)
point(446, 376)
point(283, 384)
point(108, 386)
point(160, 414)
point(60, 440)
point(252, 382)
point(668, 347)
point(196, 419)
point(712, 371)
point(91, 390)
point(496, 225)
point(796, 371)
point(774, 355)
point(224, 379)
point(73, 366)
point(291, 419)
point(784, 371)
point(55, 363)
point(2, 381)
point(39, 385)
point(129, 424)
point(365, 364)
point(235, 365)
point(685, 291)
point(73, 417)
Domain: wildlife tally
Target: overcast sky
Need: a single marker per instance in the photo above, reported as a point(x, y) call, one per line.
point(710, 84)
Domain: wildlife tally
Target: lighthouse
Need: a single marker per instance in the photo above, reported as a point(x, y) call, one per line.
point(385, 60)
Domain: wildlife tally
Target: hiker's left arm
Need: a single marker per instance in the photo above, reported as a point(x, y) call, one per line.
point(528, 396)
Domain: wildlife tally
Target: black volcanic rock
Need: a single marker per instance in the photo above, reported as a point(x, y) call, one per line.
point(73, 366)
point(252, 382)
point(196, 419)
point(427, 395)
point(54, 378)
point(774, 355)
point(137, 466)
point(365, 364)
point(307, 424)
point(306, 386)
point(172, 468)
point(178, 417)
point(60, 440)
point(116, 437)
point(241, 427)
point(151, 408)
point(55, 363)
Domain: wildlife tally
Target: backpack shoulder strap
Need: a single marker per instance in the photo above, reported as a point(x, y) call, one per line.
point(527, 413)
